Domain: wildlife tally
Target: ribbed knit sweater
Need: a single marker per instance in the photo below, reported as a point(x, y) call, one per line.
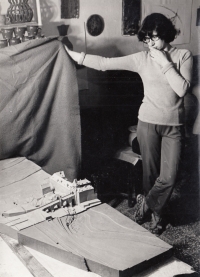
point(164, 87)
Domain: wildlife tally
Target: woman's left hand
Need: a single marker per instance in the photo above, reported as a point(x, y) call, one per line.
point(158, 56)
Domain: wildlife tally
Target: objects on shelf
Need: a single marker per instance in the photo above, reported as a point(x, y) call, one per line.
point(19, 31)
point(14, 41)
point(4, 19)
point(16, 35)
point(3, 43)
point(33, 30)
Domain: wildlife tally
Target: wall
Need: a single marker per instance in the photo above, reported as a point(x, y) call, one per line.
point(110, 42)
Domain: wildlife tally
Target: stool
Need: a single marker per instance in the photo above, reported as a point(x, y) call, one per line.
point(124, 169)
point(134, 160)
point(128, 160)
point(131, 155)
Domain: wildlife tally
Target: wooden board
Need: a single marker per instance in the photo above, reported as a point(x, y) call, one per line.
point(42, 265)
point(100, 240)
point(20, 179)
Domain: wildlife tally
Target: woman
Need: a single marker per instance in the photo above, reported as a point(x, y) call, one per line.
point(166, 74)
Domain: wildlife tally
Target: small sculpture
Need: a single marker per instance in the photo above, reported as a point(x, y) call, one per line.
point(19, 11)
point(60, 197)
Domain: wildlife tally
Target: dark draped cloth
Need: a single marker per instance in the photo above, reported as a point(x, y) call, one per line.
point(39, 106)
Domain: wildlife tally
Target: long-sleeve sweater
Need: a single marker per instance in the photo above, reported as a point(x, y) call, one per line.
point(164, 87)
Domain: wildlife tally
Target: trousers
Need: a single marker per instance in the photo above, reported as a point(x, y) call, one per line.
point(161, 148)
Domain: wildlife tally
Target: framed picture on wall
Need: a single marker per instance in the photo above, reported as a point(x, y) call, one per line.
point(69, 9)
point(130, 17)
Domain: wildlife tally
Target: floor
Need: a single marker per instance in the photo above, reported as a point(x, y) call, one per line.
point(10, 265)
point(182, 215)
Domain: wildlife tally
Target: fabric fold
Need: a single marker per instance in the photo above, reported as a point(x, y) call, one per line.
point(39, 106)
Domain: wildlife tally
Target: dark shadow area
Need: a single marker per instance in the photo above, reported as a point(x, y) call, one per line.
point(105, 128)
point(184, 205)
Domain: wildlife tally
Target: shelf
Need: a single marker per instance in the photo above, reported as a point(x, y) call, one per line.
point(18, 25)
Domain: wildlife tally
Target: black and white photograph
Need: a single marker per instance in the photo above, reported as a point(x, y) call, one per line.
point(99, 138)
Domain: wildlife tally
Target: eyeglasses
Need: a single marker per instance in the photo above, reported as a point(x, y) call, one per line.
point(153, 38)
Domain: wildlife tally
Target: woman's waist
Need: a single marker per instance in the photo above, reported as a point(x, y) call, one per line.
point(173, 115)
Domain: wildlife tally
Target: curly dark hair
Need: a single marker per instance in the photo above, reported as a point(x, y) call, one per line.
point(159, 23)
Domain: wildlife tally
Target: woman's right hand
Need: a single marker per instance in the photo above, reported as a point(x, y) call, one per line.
point(159, 56)
point(74, 55)
point(67, 49)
